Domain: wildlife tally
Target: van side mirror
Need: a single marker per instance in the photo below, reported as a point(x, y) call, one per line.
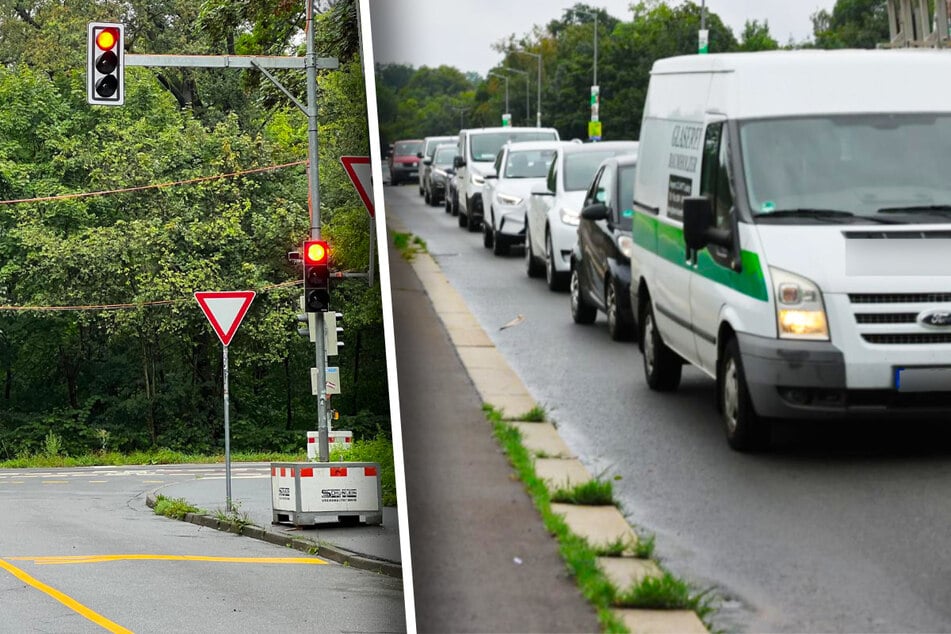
point(419, 155)
point(458, 161)
point(595, 211)
point(699, 229)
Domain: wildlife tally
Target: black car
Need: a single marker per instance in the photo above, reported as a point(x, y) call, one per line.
point(600, 261)
point(437, 170)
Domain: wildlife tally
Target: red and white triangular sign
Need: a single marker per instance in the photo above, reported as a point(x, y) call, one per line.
point(358, 169)
point(225, 310)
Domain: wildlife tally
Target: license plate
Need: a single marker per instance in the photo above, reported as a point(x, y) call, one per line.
point(923, 379)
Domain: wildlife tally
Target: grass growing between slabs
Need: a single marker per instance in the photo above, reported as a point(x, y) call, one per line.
point(175, 508)
point(665, 592)
point(408, 245)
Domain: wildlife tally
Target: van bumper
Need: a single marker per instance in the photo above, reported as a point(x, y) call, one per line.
point(807, 379)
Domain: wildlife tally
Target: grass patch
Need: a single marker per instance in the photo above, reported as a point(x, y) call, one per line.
point(175, 508)
point(379, 450)
point(618, 548)
point(665, 593)
point(590, 493)
point(579, 555)
point(409, 245)
point(645, 547)
point(234, 516)
point(534, 415)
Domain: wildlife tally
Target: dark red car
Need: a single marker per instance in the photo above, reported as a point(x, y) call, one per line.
point(403, 162)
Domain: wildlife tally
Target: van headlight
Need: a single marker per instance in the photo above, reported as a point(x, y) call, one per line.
point(625, 245)
point(800, 313)
point(506, 199)
point(569, 216)
point(477, 180)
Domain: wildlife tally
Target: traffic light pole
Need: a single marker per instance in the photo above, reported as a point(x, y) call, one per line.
point(311, 63)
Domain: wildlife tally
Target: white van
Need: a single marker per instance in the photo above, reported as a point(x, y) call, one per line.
point(477, 150)
point(792, 233)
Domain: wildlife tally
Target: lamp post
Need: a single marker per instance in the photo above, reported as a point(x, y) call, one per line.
point(538, 110)
point(506, 78)
point(595, 14)
point(523, 72)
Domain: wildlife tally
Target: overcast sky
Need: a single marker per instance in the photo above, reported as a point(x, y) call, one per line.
point(460, 33)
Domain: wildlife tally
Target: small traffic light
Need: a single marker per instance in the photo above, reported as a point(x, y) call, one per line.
point(316, 276)
point(105, 64)
point(310, 329)
point(332, 330)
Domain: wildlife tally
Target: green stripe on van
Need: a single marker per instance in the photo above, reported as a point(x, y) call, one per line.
point(668, 243)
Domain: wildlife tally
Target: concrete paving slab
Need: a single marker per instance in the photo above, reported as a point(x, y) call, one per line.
point(496, 381)
point(513, 406)
point(661, 621)
point(489, 358)
point(543, 438)
point(463, 336)
point(561, 472)
point(625, 572)
point(600, 525)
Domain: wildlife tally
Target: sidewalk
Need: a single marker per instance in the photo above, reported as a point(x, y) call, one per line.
point(374, 548)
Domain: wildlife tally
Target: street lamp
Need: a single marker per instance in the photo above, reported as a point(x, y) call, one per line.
point(462, 112)
point(522, 72)
point(506, 78)
point(538, 110)
point(595, 14)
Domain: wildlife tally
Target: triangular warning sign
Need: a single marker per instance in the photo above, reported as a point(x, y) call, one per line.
point(225, 310)
point(358, 169)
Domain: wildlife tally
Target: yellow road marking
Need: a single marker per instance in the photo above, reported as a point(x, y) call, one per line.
point(55, 482)
point(152, 481)
point(66, 600)
point(95, 559)
point(97, 481)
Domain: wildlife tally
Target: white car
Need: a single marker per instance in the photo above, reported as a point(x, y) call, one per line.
point(518, 167)
point(554, 208)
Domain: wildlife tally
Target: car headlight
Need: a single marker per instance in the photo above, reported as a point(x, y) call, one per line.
point(506, 199)
point(569, 216)
point(626, 245)
point(477, 179)
point(800, 313)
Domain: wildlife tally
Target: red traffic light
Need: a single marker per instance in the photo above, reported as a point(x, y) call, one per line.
point(316, 252)
point(106, 38)
point(104, 64)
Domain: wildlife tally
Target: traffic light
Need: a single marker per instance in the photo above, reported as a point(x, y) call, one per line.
point(104, 64)
point(316, 276)
point(332, 330)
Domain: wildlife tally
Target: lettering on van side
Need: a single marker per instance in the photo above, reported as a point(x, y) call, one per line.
point(678, 188)
point(682, 163)
point(687, 137)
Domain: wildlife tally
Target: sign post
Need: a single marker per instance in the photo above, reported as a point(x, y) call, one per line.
point(594, 125)
point(224, 311)
point(358, 169)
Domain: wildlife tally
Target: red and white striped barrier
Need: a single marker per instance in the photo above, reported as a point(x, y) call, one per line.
point(335, 439)
point(305, 493)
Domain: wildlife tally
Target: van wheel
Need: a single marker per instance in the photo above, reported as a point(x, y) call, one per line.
point(532, 266)
point(662, 366)
point(745, 429)
point(619, 328)
point(557, 281)
point(581, 311)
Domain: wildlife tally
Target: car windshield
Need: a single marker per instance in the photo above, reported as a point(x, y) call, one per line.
point(528, 163)
point(485, 147)
point(444, 155)
point(581, 166)
point(407, 148)
point(434, 144)
point(886, 168)
point(626, 197)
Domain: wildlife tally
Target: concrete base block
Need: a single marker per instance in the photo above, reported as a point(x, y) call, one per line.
point(600, 525)
point(561, 472)
point(626, 572)
point(543, 438)
point(661, 621)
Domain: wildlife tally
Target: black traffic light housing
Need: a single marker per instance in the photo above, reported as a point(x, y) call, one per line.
point(105, 61)
point(316, 255)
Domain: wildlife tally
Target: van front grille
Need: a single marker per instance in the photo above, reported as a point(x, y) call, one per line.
point(886, 318)
point(899, 298)
point(916, 338)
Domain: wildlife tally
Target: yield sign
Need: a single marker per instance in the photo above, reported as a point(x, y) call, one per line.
point(225, 310)
point(358, 169)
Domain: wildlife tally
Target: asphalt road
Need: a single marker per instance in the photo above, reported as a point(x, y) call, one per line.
point(840, 528)
point(85, 536)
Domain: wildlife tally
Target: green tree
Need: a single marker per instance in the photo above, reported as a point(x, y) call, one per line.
point(852, 24)
point(756, 37)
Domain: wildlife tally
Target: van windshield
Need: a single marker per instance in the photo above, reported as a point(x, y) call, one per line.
point(888, 168)
point(484, 147)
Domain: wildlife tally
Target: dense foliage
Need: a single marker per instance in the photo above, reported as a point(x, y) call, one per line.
point(426, 101)
point(132, 363)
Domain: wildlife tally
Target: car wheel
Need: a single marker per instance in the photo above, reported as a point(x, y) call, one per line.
point(447, 204)
point(422, 190)
point(500, 244)
point(556, 280)
point(745, 429)
point(619, 328)
point(463, 219)
point(581, 311)
point(662, 366)
point(487, 236)
point(532, 267)
point(455, 204)
point(427, 198)
point(474, 224)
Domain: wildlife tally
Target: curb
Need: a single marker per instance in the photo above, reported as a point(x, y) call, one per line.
point(302, 544)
